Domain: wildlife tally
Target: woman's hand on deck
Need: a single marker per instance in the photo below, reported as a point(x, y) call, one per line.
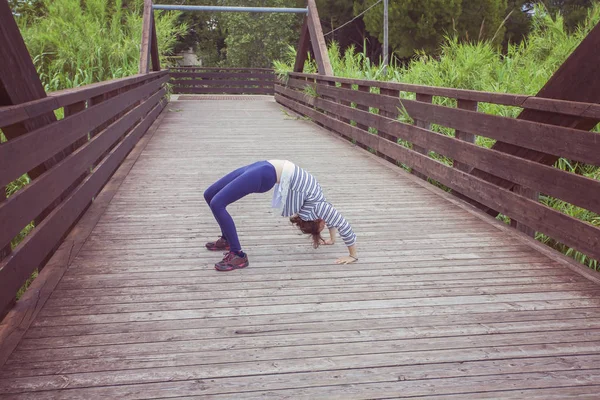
point(346, 260)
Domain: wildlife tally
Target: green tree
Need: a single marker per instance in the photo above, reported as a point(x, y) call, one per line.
point(257, 39)
point(574, 12)
point(205, 34)
point(482, 20)
point(413, 24)
point(518, 23)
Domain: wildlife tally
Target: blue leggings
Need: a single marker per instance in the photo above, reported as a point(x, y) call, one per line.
point(259, 177)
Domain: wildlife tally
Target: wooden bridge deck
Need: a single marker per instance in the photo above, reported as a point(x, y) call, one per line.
point(442, 304)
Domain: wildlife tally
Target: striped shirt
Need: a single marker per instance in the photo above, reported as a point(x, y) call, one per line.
point(305, 198)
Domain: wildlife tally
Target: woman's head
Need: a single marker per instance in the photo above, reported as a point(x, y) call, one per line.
point(312, 228)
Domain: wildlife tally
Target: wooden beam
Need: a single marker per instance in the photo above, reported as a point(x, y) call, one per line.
point(19, 82)
point(575, 80)
point(146, 38)
point(154, 47)
point(425, 98)
point(303, 46)
point(318, 40)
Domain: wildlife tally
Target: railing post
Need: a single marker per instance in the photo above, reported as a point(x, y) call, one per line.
point(465, 136)
point(344, 102)
point(530, 194)
point(69, 111)
point(366, 89)
point(389, 114)
point(426, 98)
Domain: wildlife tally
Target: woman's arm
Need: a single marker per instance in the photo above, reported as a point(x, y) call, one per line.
point(334, 220)
point(331, 236)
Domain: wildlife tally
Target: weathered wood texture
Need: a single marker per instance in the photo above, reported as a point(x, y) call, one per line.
point(196, 80)
point(312, 33)
point(576, 81)
point(113, 120)
point(442, 303)
point(146, 44)
point(328, 109)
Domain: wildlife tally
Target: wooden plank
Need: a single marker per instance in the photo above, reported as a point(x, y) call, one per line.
point(145, 50)
point(566, 142)
point(222, 90)
point(321, 348)
point(19, 83)
point(465, 136)
point(223, 69)
point(317, 40)
point(33, 250)
point(313, 322)
point(468, 338)
point(16, 156)
point(24, 206)
point(303, 47)
point(570, 187)
point(574, 108)
point(410, 299)
point(573, 81)
point(568, 230)
point(63, 298)
point(10, 115)
point(373, 382)
point(220, 75)
point(229, 83)
point(70, 96)
point(154, 46)
point(19, 319)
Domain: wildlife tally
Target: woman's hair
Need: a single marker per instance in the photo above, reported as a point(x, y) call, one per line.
point(312, 228)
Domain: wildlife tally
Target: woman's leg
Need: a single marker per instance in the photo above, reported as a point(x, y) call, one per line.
point(220, 184)
point(257, 178)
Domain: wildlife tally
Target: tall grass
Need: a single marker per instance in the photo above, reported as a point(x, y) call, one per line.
point(78, 43)
point(522, 69)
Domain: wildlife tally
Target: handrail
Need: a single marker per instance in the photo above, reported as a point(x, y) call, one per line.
point(199, 80)
point(63, 98)
point(399, 130)
point(587, 110)
point(102, 123)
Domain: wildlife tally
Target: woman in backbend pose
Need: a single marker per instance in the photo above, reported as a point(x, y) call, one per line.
point(297, 194)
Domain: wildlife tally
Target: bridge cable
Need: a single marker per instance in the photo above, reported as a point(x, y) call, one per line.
point(352, 20)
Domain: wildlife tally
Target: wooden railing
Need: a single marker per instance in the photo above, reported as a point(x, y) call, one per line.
point(367, 112)
point(198, 80)
point(102, 123)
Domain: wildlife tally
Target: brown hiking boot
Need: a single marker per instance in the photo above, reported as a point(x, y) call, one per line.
point(232, 261)
point(220, 245)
